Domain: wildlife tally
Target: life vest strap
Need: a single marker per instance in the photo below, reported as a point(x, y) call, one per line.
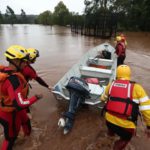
point(127, 101)
point(4, 105)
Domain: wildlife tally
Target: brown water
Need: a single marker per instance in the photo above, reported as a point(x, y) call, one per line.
point(59, 50)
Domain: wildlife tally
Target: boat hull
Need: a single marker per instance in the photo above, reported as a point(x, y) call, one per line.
point(90, 66)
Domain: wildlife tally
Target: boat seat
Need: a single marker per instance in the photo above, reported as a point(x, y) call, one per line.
point(96, 89)
point(100, 61)
point(95, 72)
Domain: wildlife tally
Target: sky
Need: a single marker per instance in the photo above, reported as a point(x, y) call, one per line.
point(36, 7)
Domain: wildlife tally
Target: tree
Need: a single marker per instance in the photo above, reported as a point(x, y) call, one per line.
point(146, 15)
point(10, 16)
point(23, 17)
point(135, 11)
point(45, 18)
point(1, 18)
point(93, 6)
point(61, 14)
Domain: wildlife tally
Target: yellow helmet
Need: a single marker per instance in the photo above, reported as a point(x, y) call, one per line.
point(123, 72)
point(118, 38)
point(33, 54)
point(17, 52)
point(123, 39)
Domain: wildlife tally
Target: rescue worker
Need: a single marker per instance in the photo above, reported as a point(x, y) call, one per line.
point(125, 99)
point(120, 49)
point(13, 91)
point(123, 38)
point(29, 72)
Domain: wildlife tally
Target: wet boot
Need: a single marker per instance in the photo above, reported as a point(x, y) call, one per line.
point(120, 144)
point(68, 126)
point(68, 122)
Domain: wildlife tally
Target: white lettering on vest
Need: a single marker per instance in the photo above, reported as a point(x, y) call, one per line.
point(120, 85)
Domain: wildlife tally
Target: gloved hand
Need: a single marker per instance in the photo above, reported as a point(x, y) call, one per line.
point(38, 96)
point(103, 97)
point(50, 88)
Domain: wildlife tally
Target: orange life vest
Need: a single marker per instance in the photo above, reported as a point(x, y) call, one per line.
point(120, 102)
point(6, 104)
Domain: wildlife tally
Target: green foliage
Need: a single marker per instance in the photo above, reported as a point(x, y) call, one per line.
point(95, 6)
point(10, 15)
point(146, 16)
point(45, 18)
point(132, 14)
point(61, 14)
point(1, 18)
point(11, 18)
point(23, 17)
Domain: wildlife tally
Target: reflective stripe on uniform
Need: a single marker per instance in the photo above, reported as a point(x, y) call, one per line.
point(146, 107)
point(111, 87)
point(136, 101)
point(21, 100)
point(141, 100)
point(144, 99)
point(129, 89)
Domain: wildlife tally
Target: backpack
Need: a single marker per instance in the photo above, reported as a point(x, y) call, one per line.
point(5, 104)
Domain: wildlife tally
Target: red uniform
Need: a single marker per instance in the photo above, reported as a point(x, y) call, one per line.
point(12, 109)
point(29, 74)
point(121, 53)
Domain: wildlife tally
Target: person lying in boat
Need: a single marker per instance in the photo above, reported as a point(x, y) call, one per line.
point(125, 99)
point(78, 91)
point(29, 72)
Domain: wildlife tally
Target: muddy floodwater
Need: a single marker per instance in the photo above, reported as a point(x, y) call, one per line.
point(59, 50)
